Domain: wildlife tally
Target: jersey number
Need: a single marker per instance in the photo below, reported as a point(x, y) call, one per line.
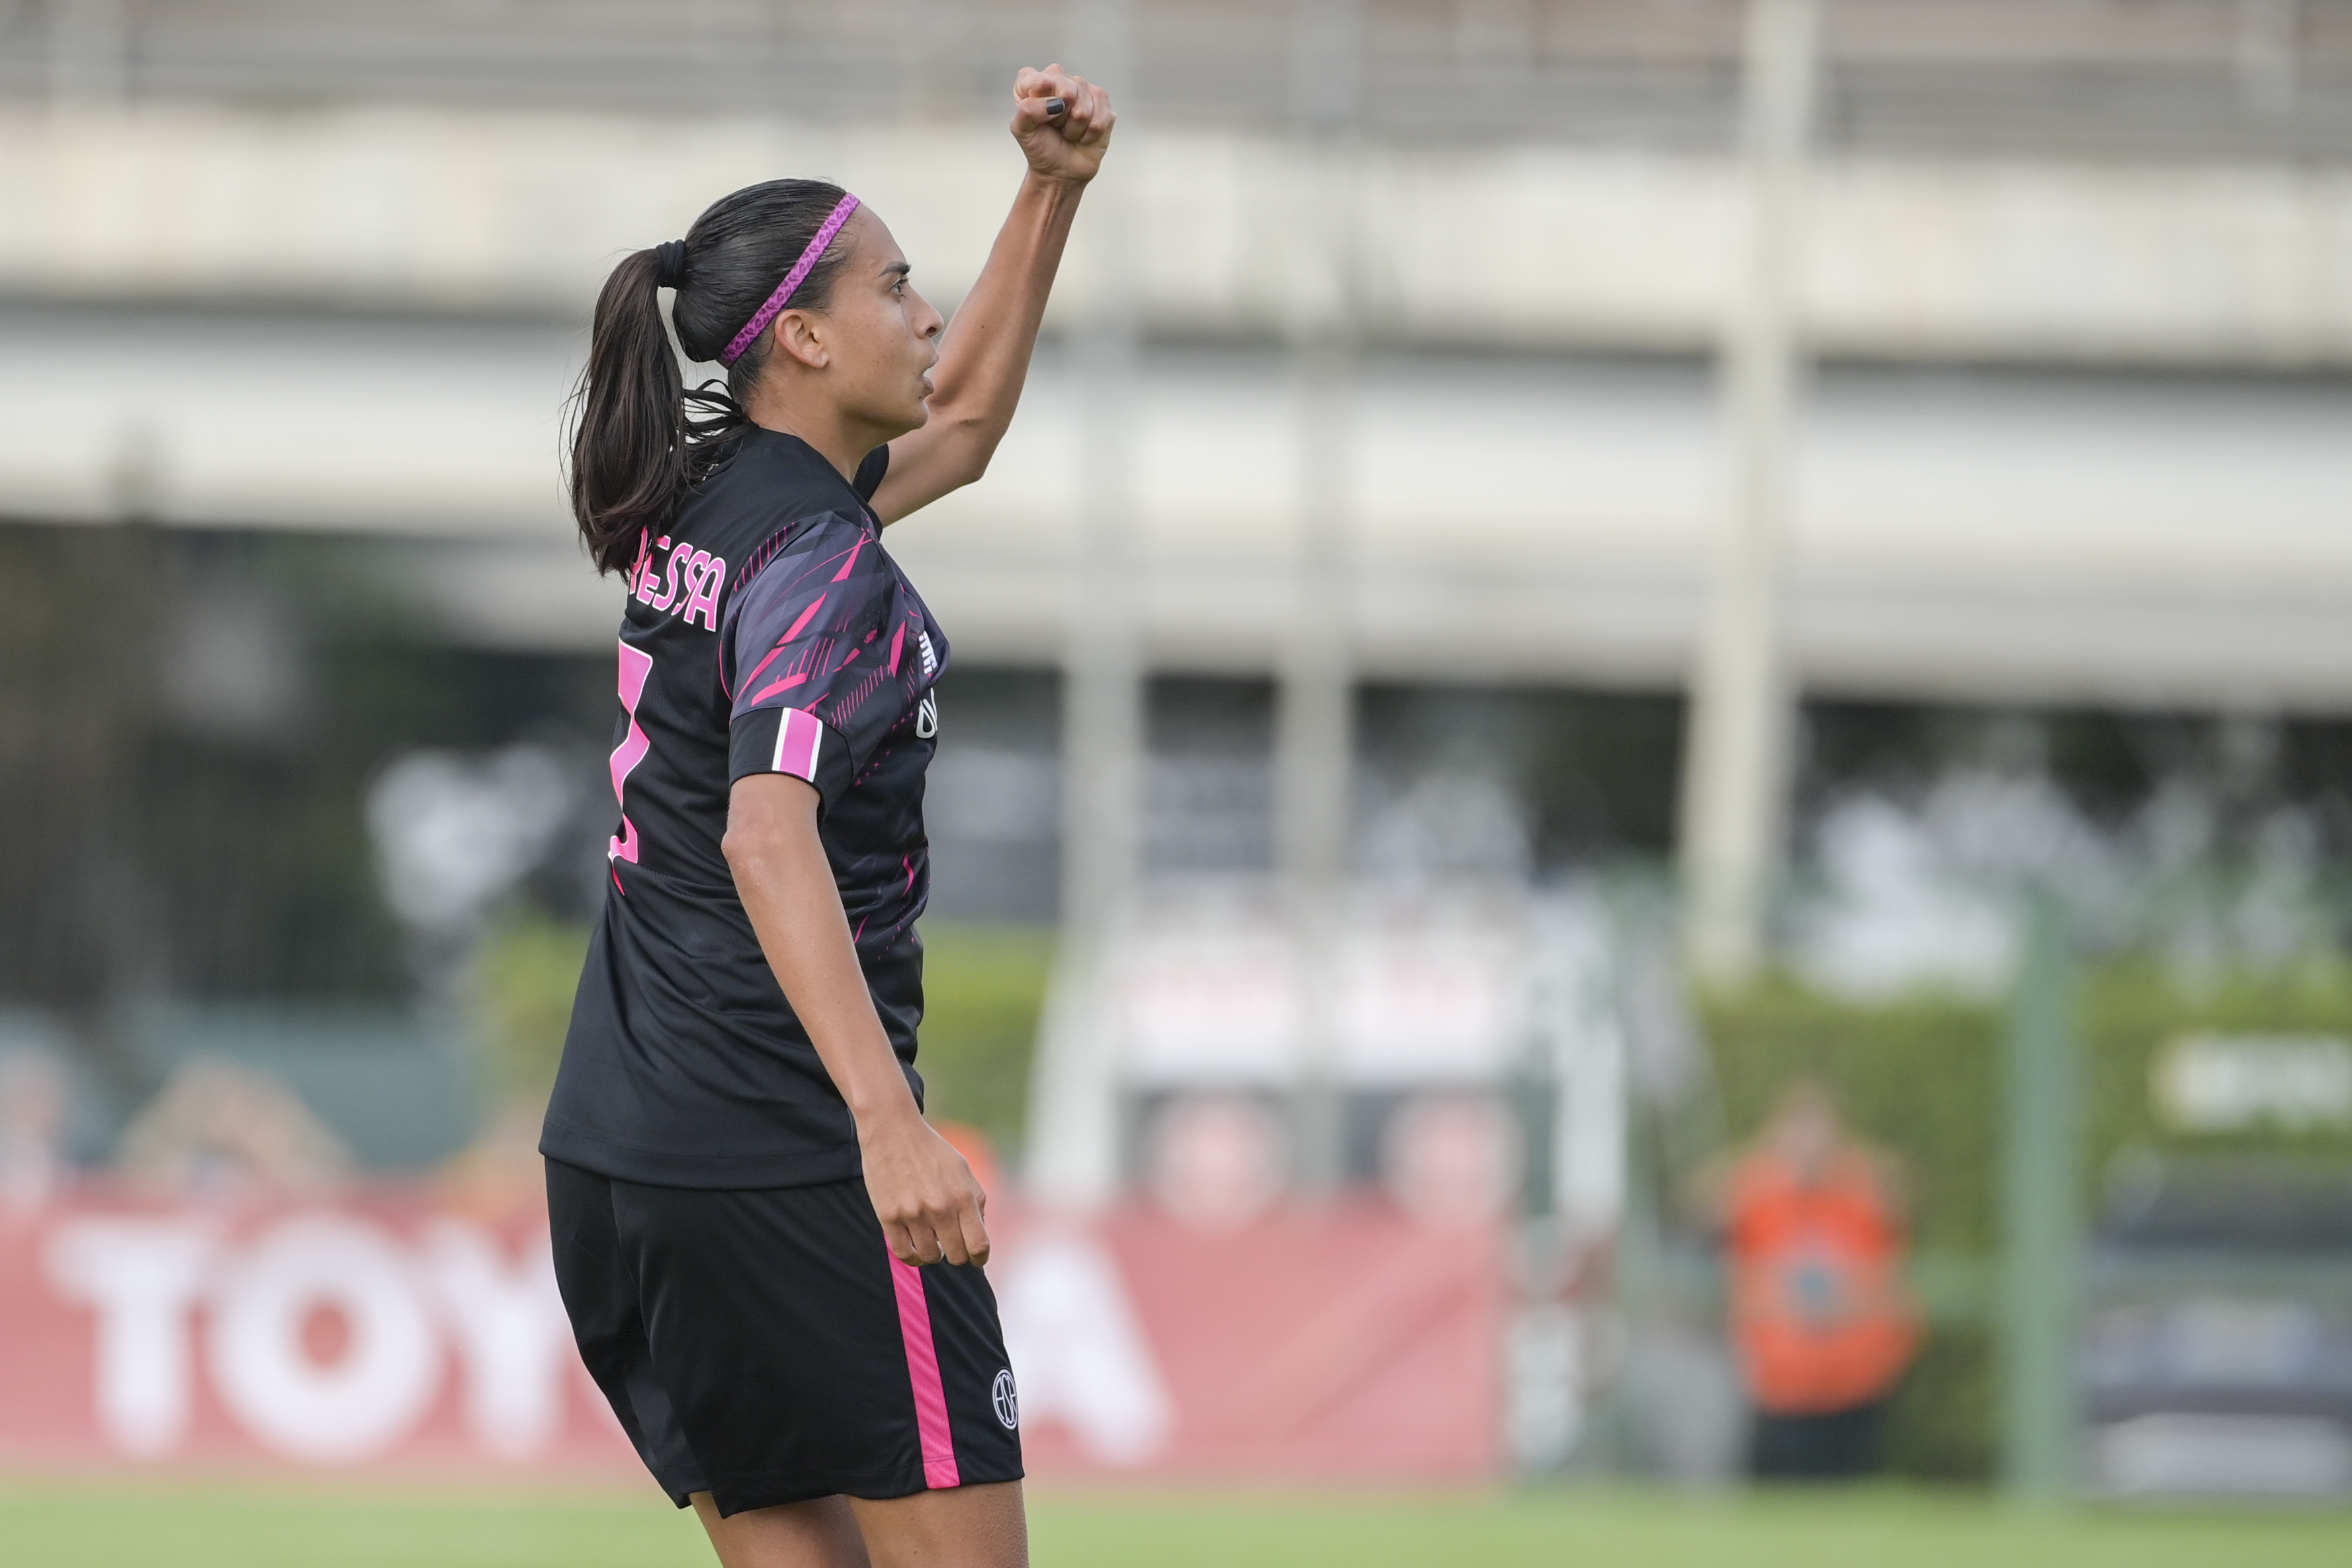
point(636, 666)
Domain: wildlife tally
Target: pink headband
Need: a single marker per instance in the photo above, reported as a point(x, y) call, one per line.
point(793, 279)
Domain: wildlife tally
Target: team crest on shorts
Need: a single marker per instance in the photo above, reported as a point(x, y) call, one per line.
point(1007, 1400)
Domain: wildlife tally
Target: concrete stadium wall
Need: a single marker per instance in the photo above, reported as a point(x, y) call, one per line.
point(1999, 535)
point(1516, 246)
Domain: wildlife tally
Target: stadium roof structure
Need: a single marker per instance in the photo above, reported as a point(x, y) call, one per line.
point(2103, 78)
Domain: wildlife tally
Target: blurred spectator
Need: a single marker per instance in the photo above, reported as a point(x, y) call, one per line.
point(222, 1128)
point(32, 1129)
point(1813, 1239)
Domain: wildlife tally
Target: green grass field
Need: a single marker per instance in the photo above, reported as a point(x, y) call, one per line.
point(86, 1525)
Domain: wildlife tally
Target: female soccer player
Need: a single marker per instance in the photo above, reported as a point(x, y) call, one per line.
point(771, 1261)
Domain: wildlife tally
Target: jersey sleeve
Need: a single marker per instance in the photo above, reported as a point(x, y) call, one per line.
point(800, 656)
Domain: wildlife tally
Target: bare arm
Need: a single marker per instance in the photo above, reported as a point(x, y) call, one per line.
point(984, 359)
point(923, 1192)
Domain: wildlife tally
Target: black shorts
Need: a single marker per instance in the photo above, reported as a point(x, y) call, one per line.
point(765, 1346)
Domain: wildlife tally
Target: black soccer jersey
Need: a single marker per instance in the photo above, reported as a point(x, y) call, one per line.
point(767, 632)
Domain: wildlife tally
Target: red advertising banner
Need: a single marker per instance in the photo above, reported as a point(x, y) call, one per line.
point(375, 1332)
point(1347, 1342)
point(384, 1334)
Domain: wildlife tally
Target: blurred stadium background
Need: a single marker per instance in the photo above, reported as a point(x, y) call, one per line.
point(1568, 566)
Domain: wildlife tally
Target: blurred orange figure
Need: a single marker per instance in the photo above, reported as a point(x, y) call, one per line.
point(978, 1152)
point(1814, 1238)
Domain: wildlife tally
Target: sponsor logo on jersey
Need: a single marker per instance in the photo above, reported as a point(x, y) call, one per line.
point(1007, 1400)
point(927, 716)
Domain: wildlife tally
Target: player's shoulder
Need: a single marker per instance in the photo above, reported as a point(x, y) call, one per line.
point(835, 545)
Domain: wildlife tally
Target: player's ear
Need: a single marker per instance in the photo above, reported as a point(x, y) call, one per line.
point(799, 335)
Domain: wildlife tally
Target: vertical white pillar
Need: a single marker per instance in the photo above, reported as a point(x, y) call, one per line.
point(1315, 696)
point(1314, 688)
point(1074, 1086)
point(1734, 771)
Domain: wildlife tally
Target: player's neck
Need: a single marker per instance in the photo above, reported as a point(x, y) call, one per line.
point(839, 436)
point(842, 443)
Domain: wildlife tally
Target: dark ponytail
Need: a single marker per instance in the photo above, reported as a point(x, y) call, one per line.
point(641, 438)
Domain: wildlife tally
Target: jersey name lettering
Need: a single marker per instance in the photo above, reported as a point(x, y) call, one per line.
point(687, 581)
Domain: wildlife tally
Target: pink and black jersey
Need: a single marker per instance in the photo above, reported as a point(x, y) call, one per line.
point(767, 632)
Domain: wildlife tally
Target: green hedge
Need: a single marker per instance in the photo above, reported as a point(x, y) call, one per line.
point(1921, 1077)
point(984, 985)
point(1917, 1076)
point(2130, 1009)
point(983, 990)
point(525, 973)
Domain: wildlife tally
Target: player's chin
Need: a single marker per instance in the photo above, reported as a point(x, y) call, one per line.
point(898, 414)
